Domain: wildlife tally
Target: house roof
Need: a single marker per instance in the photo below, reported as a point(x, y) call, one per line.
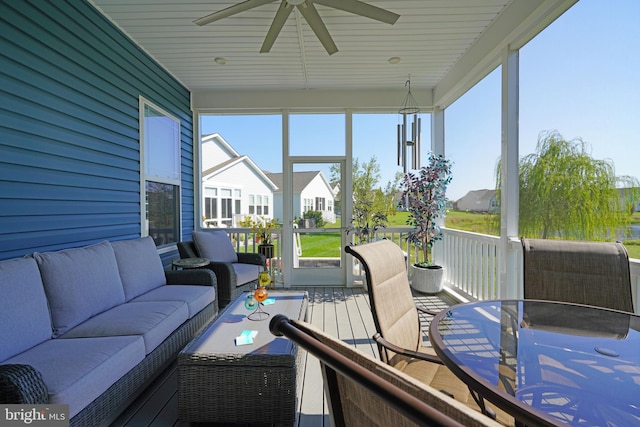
point(222, 143)
point(211, 172)
point(300, 179)
point(445, 46)
point(478, 195)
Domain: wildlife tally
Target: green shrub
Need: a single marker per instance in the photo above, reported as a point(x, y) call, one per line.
point(317, 215)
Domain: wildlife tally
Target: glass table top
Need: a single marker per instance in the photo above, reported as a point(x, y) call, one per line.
point(579, 364)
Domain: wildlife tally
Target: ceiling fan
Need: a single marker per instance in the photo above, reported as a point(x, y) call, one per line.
point(310, 14)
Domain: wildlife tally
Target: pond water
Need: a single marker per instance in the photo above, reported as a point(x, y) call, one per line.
point(633, 233)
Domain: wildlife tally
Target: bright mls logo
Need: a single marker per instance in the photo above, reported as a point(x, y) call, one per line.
point(37, 415)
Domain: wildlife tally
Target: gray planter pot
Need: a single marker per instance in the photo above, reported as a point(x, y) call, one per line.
point(427, 280)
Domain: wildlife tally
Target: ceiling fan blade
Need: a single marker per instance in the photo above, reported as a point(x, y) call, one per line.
point(310, 14)
point(284, 11)
point(362, 9)
point(231, 10)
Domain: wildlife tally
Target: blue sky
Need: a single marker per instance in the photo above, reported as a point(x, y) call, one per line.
point(580, 77)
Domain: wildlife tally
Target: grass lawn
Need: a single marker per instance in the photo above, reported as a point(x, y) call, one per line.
point(633, 247)
point(328, 245)
point(482, 223)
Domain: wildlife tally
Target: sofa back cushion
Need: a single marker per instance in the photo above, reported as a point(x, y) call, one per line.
point(79, 283)
point(139, 265)
point(24, 314)
point(214, 245)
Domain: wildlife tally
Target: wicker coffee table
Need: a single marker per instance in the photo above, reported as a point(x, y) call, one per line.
point(219, 382)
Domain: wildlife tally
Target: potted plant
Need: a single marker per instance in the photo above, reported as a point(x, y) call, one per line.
point(424, 196)
point(262, 228)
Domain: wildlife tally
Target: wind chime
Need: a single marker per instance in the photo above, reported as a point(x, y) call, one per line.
point(405, 143)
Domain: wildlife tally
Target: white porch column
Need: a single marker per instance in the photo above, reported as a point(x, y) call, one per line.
point(438, 147)
point(437, 131)
point(287, 208)
point(509, 277)
point(346, 195)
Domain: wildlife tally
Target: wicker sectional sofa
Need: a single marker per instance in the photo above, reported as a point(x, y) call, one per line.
point(91, 327)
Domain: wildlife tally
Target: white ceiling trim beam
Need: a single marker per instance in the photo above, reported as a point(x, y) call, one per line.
point(486, 53)
point(388, 100)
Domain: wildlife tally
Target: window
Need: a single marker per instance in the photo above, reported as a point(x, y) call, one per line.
point(226, 207)
point(210, 205)
point(308, 205)
point(160, 174)
point(258, 205)
point(320, 203)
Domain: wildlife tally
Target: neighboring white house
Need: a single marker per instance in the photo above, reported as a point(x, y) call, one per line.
point(478, 201)
point(311, 192)
point(233, 186)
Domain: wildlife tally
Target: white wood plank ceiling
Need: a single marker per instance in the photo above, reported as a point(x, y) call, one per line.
point(431, 38)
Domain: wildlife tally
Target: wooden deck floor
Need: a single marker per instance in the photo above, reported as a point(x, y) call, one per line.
point(342, 312)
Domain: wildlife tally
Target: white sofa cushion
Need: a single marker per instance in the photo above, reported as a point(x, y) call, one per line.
point(139, 265)
point(24, 316)
point(79, 283)
point(214, 245)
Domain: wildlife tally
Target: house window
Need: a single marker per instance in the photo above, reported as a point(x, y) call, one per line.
point(308, 205)
point(160, 174)
point(258, 205)
point(226, 207)
point(320, 201)
point(211, 203)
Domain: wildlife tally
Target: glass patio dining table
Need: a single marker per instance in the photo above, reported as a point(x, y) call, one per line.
point(545, 363)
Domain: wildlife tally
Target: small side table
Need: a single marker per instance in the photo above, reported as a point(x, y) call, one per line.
point(186, 263)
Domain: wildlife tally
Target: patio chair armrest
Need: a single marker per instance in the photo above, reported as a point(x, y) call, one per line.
point(406, 352)
point(22, 384)
point(225, 274)
point(196, 276)
point(426, 311)
point(252, 258)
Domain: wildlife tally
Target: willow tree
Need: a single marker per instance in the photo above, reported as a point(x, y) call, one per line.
point(565, 193)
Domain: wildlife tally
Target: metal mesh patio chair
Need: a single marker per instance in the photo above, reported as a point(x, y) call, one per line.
point(591, 273)
point(399, 333)
point(364, 392)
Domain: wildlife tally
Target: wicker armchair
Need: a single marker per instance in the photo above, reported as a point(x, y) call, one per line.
point(229, 284)
point(591, 273)
point(399, 332)
point(363, 391)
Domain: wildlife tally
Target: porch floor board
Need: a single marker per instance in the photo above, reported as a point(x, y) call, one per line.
point(342, 312)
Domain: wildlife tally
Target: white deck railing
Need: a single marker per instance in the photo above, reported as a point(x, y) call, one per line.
point(471, 261)
point(472, 266)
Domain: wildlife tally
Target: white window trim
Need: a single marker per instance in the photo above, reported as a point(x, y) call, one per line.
point(142, 101)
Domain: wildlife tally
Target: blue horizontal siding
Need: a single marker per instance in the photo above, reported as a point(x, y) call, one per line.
point(70, 83)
